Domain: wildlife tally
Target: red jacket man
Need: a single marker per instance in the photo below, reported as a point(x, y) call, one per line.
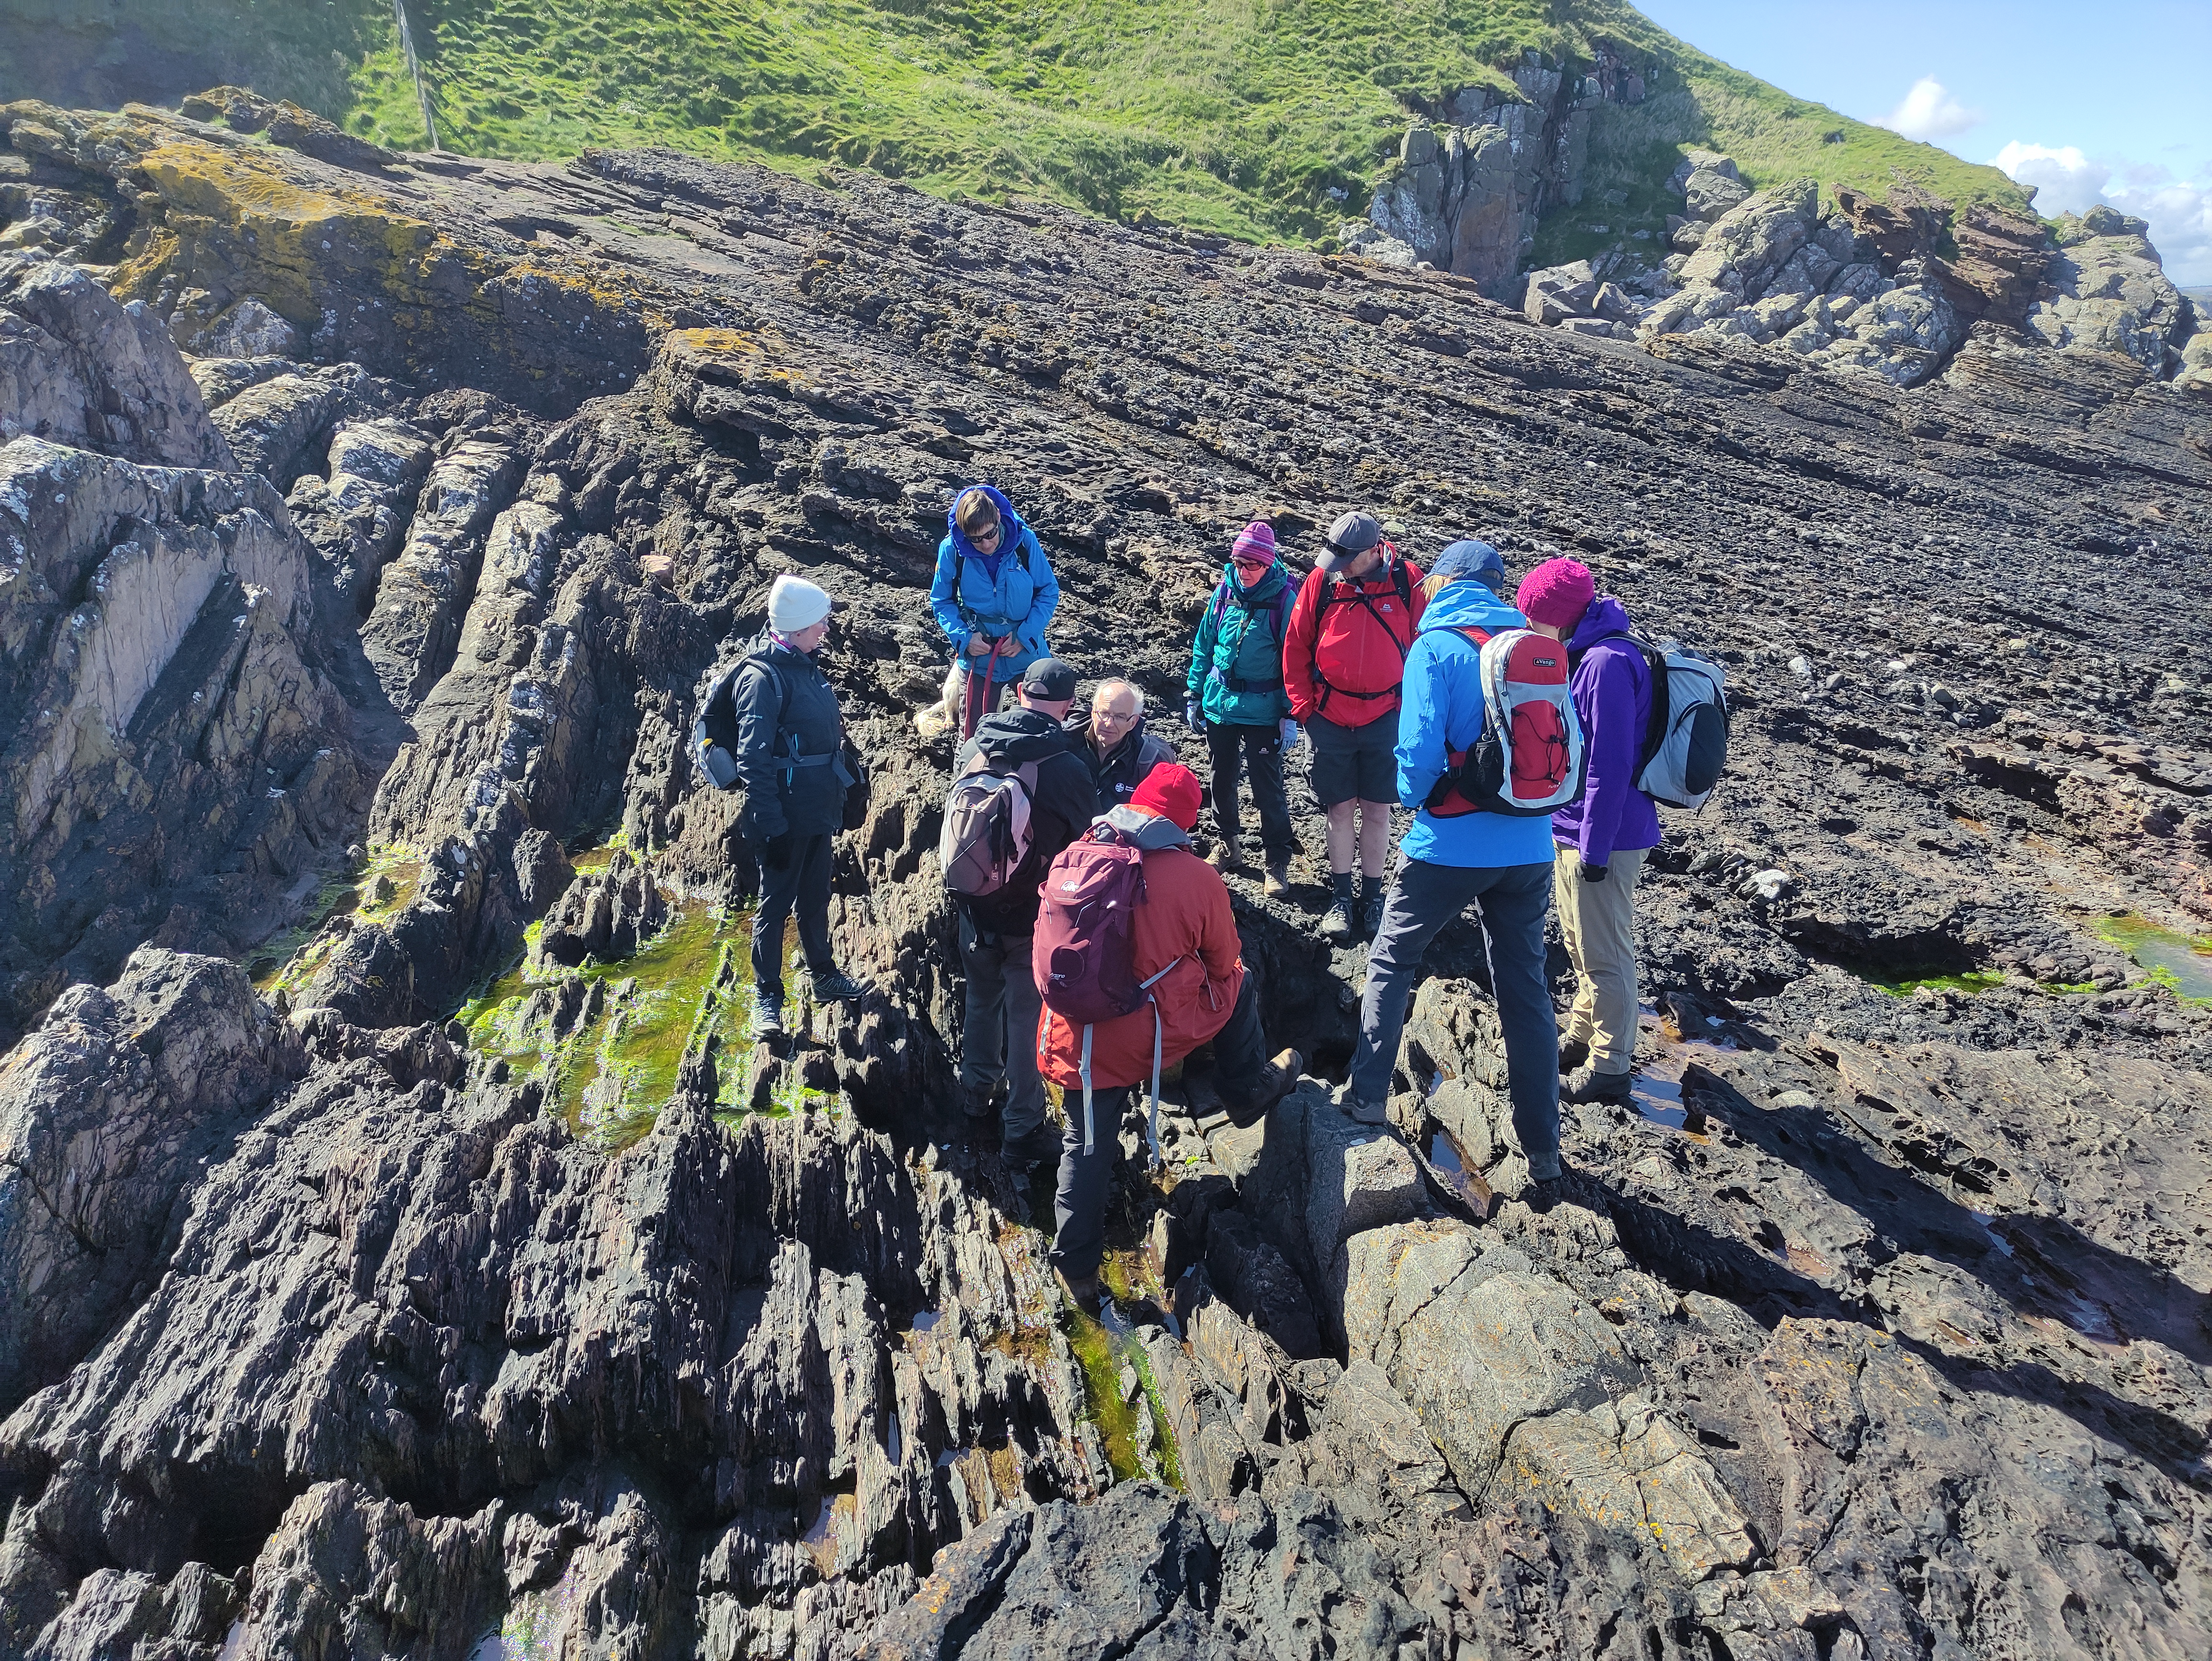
point(1185, 920)
point(1344, 655)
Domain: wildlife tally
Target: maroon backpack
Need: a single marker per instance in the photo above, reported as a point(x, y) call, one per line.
point(1083, 954)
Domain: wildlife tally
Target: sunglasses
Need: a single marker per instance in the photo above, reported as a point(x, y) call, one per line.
point(989, 533)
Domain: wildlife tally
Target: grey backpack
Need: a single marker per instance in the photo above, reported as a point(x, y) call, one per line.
point(987, 833)
point(1685, 745)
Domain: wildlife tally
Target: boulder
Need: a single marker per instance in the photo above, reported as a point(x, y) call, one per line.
point(1559, 292)
point(1457, 200)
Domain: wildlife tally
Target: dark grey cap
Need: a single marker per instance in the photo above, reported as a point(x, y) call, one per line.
point(1048, 679)
point(1349, 538)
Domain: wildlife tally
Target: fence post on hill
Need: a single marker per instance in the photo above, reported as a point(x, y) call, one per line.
point(421, 93)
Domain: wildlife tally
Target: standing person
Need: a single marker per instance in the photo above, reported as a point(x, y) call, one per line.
point(1501, 863)
point(998, 1039)
point(1185, 927)
point(1113, 742)
point(788, 744)
point(1343, 663)
point(993, 595)
point(1235, 698)
point(1601, 840)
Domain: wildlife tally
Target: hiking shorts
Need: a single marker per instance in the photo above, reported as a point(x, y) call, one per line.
point(1354, 763)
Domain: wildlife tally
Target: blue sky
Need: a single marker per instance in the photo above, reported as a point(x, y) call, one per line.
point(2107, 101)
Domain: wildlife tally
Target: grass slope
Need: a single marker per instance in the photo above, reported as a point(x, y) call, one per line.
point(1265, 119)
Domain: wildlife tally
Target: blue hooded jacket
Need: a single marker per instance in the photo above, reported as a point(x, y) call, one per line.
point(1011, 591)
point(1442, 711)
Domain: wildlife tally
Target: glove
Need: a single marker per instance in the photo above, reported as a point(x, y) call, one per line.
point(1591, 873)
point(1290, 733)
point(1193, 716)
point(778, 853)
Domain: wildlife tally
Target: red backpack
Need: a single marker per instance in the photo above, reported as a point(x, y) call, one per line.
point(1084, 955)
point(1337, 593)
point(1528, 762)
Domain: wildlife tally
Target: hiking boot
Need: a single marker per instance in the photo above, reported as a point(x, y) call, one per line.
point(1082, 1291)
point(1033, 1147)
point(1336, 922)
point(1586, 1084)
point(767, 1017)
point(1541, 1195)
point(1226, 855)
point(1572, 1054)
point(832, 986)
point(1277, 1081)
point(1371, 908)
point(1278, 883)
point(1362, 1112)
point(978, 1107)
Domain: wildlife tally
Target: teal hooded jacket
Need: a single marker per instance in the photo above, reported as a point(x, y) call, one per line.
point(1236, 661)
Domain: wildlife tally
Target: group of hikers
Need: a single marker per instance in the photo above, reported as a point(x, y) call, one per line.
point(1530, 738)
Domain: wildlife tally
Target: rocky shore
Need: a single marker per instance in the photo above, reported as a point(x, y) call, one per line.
point(402, 1247)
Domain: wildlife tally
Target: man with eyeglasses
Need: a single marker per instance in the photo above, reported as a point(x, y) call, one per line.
point(1111, 740)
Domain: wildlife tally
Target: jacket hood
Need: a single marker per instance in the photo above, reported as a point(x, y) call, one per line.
point(1469, 603)
point(1606, 615)
point(1010, 526)
point(765, 643)
point(1147, 831)
point(1265, 589)
point(1020, 735)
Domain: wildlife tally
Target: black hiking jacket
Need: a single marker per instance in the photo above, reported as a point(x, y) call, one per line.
point(1060, 809)
point(788, 735)
point(1122, 768)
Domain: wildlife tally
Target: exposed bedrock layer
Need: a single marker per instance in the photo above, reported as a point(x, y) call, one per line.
point(336, 1325)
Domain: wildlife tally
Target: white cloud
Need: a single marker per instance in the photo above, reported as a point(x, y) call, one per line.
point(1929, 112)
point(2179, 214)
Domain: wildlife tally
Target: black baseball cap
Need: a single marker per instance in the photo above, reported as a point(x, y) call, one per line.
point(1048, 679)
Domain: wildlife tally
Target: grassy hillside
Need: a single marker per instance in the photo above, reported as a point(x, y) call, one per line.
point(1261, 119)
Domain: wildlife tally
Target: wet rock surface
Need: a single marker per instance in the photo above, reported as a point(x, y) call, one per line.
point(1877, 1325)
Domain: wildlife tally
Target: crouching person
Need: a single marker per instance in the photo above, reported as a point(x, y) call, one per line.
point(1022, 758)
point(1182, 950)
point(1457, 855)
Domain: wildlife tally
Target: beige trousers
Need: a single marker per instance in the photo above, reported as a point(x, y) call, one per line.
point(1597, 919)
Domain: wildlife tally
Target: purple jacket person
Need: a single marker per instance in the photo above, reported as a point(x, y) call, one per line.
point(1601, 840)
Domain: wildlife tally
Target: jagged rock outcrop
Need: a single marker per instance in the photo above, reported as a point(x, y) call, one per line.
point(1468, 188)
point(77, 368)
point(1864, 287)
point(567, 1309)
point(2109, 294)
point(157, 639)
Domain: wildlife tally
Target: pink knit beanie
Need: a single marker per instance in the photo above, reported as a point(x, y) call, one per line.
point(1255, 542)
point(1556, 593)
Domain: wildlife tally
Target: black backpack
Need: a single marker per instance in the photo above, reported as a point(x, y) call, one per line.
point(714, 742)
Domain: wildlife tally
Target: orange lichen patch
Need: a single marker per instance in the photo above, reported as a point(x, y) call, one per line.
point(709, 342)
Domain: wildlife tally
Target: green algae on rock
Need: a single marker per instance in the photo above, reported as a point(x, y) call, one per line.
point(2181, 962)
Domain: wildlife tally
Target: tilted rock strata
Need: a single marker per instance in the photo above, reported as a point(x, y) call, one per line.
point(421, 1357)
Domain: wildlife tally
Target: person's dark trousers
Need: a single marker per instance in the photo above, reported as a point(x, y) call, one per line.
point(803, 886)
point(1512, 901)
point(1260, 750)
point(998, 1039)
point(1079, 1208)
